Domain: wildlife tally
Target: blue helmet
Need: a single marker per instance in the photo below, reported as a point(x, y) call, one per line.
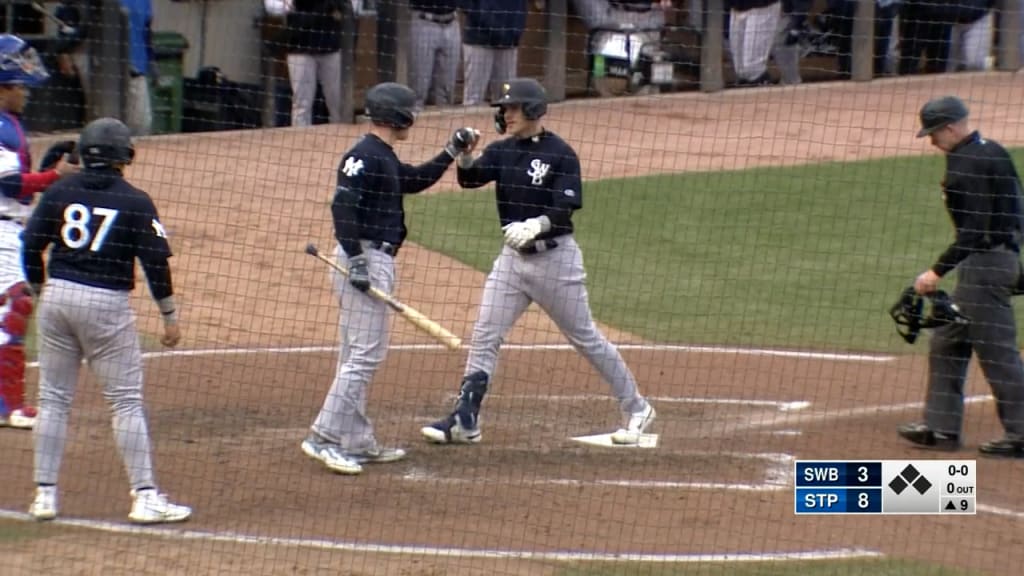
point(20, 63)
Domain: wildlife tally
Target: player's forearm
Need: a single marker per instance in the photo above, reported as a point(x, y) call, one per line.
point(32, 264)
point(470, 174)
point(418, 178)
point(158, 276)
point(345, 213)
point(560, 219)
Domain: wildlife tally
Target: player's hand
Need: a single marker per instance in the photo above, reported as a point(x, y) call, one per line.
point(359, 273)
point(519, 234)
point(926, 283)
point(463, 141)
point(65, 167)
point(172, 335)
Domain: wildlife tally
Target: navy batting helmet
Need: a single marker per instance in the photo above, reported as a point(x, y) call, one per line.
point(20, 63)
point(105, 142)
point(524, 92)
point(391, 104)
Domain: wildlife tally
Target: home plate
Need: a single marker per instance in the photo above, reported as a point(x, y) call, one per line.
point(643, 441)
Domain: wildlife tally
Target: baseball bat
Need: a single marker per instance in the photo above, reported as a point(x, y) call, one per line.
point(42, 10)
point(438, 332)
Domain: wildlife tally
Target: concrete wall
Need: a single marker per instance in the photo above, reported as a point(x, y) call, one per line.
point(230, 42)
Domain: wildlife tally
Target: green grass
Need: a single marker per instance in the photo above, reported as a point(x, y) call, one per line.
point(18, 531)
point(814, 568)
point(809, 256)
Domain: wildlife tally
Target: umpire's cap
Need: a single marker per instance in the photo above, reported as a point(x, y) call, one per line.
point(940, 112)
point(391, 104)
point(527, 93)
point(105, 142)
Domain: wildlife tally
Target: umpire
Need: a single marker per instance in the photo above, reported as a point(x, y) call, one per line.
point(982, 193)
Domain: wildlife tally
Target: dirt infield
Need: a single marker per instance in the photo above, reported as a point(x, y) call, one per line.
point(241, 206)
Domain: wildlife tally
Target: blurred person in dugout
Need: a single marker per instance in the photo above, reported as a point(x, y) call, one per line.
point(491, 33)
point(312, 42)
point(840, 15)
point(72, 52)
point(435, 41)
point(925, 26)
point(753, 31)
point(615, 14)
point(972, 34)
point(138, 111)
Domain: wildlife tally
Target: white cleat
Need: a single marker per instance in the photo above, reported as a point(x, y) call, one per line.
point(331, 456)
point(151, 507)
point(637, 424)
point(44, 506)
point(23, 419)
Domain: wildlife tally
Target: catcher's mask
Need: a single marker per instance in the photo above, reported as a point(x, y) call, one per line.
point(910, 318)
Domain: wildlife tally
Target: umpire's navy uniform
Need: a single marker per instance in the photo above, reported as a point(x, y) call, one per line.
point(982, 193)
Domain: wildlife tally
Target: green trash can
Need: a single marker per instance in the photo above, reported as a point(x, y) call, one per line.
point(166, 94)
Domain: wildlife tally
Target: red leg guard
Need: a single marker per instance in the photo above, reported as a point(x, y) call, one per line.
point(12, 354)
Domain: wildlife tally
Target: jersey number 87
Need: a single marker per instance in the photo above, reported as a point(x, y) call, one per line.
point(75, 232)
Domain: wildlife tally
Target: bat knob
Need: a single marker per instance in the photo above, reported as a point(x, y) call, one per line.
point(311, 249)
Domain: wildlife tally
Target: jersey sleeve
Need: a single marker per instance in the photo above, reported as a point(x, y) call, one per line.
point(413, 179)
point(151, 235)
point(357, 174)
point(484, 169)
point(566, 192)
point(15, 180)
point(153, 250)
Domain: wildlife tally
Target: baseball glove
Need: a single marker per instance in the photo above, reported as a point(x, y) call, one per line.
point(56, 152)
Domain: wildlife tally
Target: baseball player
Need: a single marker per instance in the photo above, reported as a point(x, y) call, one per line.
point(369, 225)
point(97, 224)
point(20, 68)
point(435, 41)
point(753, 30)
point(982, 193)
point(539, 186)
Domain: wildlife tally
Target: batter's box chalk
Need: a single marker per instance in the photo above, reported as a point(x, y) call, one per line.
point(643, 441)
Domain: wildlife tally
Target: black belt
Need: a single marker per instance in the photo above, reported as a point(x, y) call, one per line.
point(539, 246)
point(8, 218)
point(632, 7)
point(385, 247)
point(437, 18)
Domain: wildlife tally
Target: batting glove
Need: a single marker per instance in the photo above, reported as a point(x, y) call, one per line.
point(463, 140)
point(359, 272)
point(519, 234)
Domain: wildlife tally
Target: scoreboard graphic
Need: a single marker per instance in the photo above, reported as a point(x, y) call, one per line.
point(885, 487)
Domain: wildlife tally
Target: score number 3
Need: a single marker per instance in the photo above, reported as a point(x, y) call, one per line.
point(75, 231)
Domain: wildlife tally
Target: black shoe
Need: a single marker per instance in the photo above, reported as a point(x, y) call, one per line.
point(920, 434)
point(1003, 448)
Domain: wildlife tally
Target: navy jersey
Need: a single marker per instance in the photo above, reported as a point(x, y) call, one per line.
point(98, 225)
point(538, 176)
point(368, 201)
point(982, 193)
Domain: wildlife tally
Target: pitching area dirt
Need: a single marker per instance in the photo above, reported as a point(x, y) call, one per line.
point(240, 208)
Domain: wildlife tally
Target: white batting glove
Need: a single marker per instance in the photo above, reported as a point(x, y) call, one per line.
point(519, 234)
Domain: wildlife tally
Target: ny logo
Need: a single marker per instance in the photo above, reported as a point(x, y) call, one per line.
point(538, 170)
point(352, 166)
point(159, 229)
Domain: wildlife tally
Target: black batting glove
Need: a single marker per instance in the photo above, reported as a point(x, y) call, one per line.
point(359, 272)
point(463, 140)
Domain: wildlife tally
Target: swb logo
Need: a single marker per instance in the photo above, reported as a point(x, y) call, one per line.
point(538, 170)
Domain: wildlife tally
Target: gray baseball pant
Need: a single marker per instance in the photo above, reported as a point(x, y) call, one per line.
point(304, 71)
point(555, 280)
point(79, 322)
point(484, 68)
point(983, 293)
point(363, 328)
point(434, 60)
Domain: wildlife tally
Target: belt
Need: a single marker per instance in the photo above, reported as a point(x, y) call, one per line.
point(385, 247)
point(7, 218)
point(538, 247)
point(436, 18)
point(632, 7)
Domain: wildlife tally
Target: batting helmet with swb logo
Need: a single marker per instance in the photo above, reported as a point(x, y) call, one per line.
point(524, 92)
point(391, 104)
point(105, 142)
point(908, 311)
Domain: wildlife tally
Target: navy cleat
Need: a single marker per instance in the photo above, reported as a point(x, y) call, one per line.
point(463, 425)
